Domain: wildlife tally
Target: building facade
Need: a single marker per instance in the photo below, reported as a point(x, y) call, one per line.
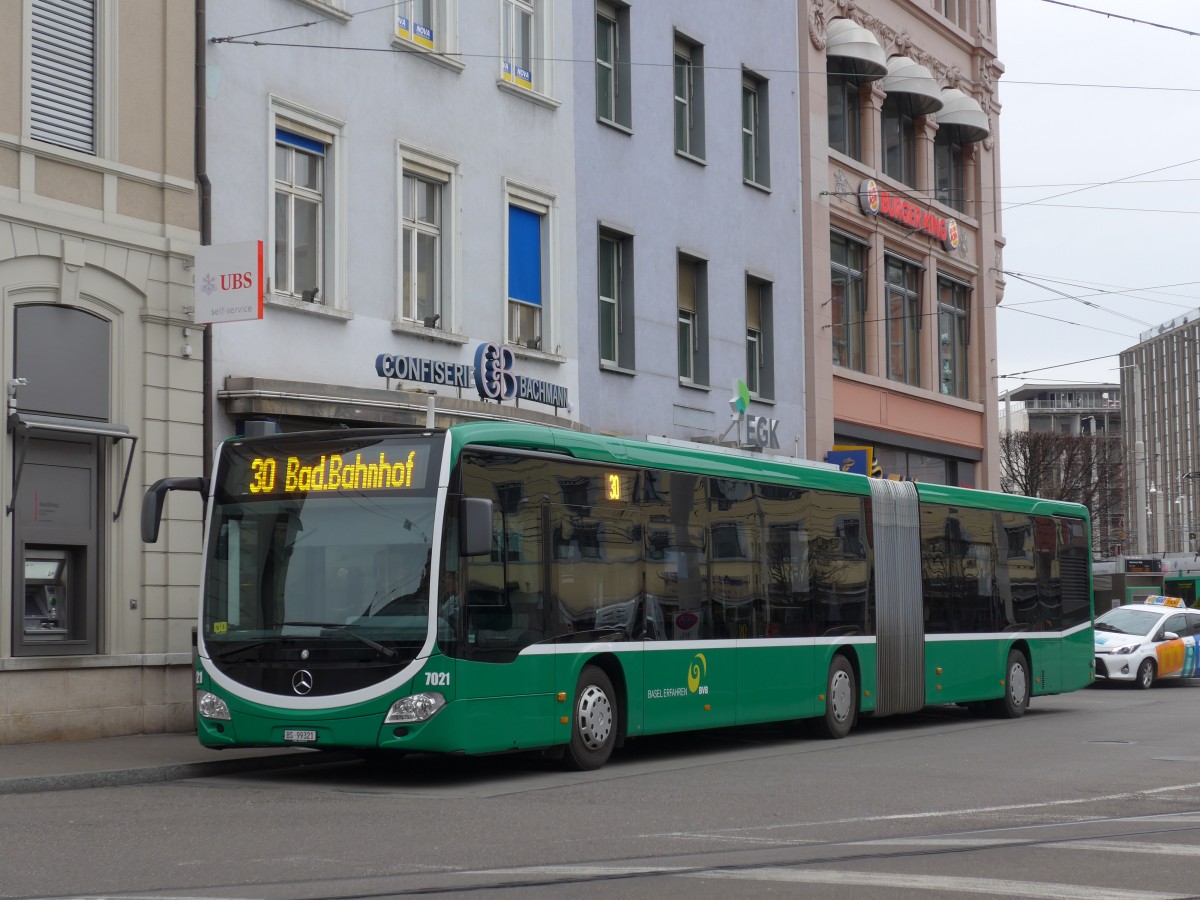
point(1161, 387)
point(1064, 408)
point(98, 224)
point(688, 242)
point(784, 238)
point(903, 266)
point(414, 193)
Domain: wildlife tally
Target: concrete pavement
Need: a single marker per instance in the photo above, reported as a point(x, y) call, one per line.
point(134, 759)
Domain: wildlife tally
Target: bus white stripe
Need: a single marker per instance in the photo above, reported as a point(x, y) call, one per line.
point(750, 643)
point(659, 646)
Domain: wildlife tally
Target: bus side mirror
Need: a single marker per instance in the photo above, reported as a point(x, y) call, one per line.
point(152, 503)
point(475, 526)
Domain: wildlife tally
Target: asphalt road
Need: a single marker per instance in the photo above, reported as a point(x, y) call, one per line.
point(1091, 795)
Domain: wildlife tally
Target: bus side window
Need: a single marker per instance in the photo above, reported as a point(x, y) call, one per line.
point(840, 563)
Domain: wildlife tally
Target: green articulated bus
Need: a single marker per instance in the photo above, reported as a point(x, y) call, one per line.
point(495, 587)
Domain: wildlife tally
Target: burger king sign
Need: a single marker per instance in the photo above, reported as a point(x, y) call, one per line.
point(876, 201)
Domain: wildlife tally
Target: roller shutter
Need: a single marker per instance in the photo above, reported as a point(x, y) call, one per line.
point(62, 101)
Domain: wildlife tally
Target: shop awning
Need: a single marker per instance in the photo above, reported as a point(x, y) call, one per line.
point(852, 50)
point(908, 77)
point(23, 425)
point(962, 117)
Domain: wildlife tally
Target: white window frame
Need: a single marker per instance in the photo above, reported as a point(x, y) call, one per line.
point(760, 341)
point(425, 166)
point(692, 327)
point(606, 70)
point(289, 115)
point(853, 304)
point(755, 355)
point(750, 131)
point(620, 307)
point(688, 345)
point(438, 48)
point(956, 354)
point(544, 204)
point(412, 229)
point(756, 147)
point(754, 359)
point(287, 186)
point(540, 80)
point(610, 307)
point(620, 112)
point(912, 308)
point(684, 55)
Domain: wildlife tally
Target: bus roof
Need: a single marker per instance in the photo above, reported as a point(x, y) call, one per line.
point(718, 463)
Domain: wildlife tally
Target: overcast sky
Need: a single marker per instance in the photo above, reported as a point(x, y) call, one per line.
point(1128, 251)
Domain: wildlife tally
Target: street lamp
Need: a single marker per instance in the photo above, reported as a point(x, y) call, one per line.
point(1180, 510)
point(1188, 476)
point(1160, 527)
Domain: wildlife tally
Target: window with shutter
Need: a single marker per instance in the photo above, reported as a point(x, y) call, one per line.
point(62, 103)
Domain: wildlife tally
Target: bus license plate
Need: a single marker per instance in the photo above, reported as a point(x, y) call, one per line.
point(299, 737)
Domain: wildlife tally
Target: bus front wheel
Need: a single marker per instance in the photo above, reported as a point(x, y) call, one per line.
point(841, 700)
point(594, 722)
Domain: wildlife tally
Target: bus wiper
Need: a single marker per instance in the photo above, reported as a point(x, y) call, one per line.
point(227, 655)
point(386, 652)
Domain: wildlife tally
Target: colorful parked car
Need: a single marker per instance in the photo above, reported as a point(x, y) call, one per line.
point(1159, 638)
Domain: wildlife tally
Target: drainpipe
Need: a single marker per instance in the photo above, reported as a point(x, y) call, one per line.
point(201, 155)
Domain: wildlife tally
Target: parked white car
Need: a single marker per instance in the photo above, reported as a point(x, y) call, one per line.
point(1159, 638)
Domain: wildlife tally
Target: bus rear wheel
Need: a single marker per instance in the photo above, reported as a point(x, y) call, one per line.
point(594, 721)
point(841, 700)
point(1016, 688)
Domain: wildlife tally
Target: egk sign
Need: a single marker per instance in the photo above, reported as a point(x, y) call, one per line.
point(876, 201)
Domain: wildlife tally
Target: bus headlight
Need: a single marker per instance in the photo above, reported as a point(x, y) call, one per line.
point(417, 708)
point(210, 706)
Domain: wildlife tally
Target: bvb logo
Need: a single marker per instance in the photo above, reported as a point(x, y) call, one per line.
point(493, 372)
point(696, 672)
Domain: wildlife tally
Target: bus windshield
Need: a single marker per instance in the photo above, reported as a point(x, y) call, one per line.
point(342, 559)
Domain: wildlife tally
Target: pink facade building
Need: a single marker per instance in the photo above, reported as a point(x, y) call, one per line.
point(902, 262)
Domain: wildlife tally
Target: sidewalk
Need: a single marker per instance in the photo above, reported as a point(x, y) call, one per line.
point(134, 759)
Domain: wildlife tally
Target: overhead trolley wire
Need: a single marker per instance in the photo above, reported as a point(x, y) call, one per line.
point(1112, 15)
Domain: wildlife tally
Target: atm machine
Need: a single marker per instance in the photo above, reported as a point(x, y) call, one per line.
point(46, 582)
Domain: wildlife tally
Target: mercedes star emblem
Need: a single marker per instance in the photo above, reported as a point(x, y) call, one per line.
point(302, 681)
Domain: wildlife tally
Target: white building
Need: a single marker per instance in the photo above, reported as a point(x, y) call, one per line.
point(410, 170)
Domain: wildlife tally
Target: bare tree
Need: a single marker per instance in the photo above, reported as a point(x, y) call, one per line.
point(1078, 468)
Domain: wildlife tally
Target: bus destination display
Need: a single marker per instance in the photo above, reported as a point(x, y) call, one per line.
point(388, 469)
